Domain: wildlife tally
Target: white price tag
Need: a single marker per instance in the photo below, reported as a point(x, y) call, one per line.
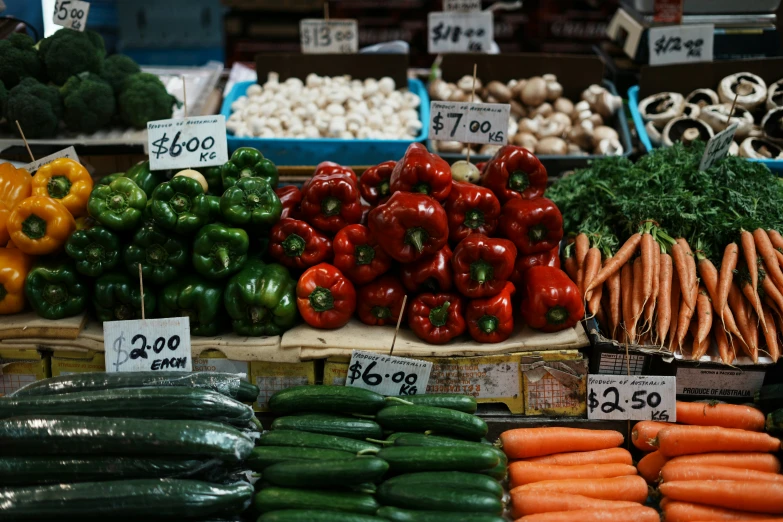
point(638, 397)
point(71, 14)
point(70, 153)
point(464, 6)
point(387, 374)
point(321, 36)
point(150, 344)
point(718, 147)
point(681, 44)
point(469, 122)
point(187, 143)
point(455, 32)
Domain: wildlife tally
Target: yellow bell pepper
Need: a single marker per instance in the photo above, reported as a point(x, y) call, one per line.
point(14, 266)
point(66, 181)
point(15, 185)
point(40, 225)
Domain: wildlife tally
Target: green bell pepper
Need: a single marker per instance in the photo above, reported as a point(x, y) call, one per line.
point(214, 180)
point(54, 290)
point(117, 297)
point(161, 256)
point(247, 162)
point(95, 250)
point(145, 178)
point(219, 251)
point(180, 205)
point(105, 180)
point(251, 202)
point(118, 205)
point(197, 299)
point(261, 299)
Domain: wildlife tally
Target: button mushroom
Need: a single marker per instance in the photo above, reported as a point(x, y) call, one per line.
point(517, 109)
point(655, 135)
point(488, 149)
point(545, 110)
point(775, 95)
point(525, 140)
point(602, 101)
point(516, 90)
point(691, 110)
point(661, 108)
point(702, 97)
point(772, 124)
point(553, 88)
point(534, 92)
point(465, 171)
point(552, 146)
point(551, 127)
point(452, 147)
point(717, 117)
point(741, 83)
point(733, 149)
point(756, 148)
point(676, 129)
point(499, 91)
point(603, 132)
point(581, 135)
point(609, 147)
point(466, 83)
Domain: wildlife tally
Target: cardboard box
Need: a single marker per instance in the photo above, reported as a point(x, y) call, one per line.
point(216, 361)
point(271, 377)
point(66, 362)
point(21, 367)
point(555, 383)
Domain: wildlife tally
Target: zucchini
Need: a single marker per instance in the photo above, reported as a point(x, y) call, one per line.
point(350, 427)
point(264, 456)
point(769, 397)
point(407, 515)
point(126, 500)
point(304, 439)
point(326, 473)
point(409, 459)
point(451, 401)
point(95, 436)
point(435, 498)
point(274, 499)
point(312, 515)
point(139, 403)
point(429, 418)
point(775, 421)
point(326, 399)
point(418, 439)
point(452, 480)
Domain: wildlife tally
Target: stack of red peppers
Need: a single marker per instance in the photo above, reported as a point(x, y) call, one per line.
point(462, 251)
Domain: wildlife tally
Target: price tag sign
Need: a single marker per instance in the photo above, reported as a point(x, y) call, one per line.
point(187, 143)
point(718, 147)
point(70, 153)
point(463, 6)
point(456, 32)
point(71, 14)
point(681, 44)
point(635, 397)
point(321, 36)
point(147, 345)
point(387, 374)
point(469, 122)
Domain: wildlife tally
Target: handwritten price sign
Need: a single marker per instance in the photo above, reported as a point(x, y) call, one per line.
point(681, 44)
point(469, 122)
point(457, 32)
point(69, 153)
point(637, 397)
point(329, 36)
point(187, 143)
point(71, 14)
point(144, 345)
point(718, 147)
point(387, 374)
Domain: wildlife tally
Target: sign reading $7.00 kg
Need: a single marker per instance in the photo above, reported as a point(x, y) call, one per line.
point(468, 122)
point(387, 374)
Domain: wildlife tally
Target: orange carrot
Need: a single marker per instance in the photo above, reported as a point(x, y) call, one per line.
point(581, 247)
point(739, 305)
point(771, 335)
point(704, 315)
point(594, 302)
point(522, 443)
point(732, 494)
point(751, 258)
point(637, 514)
point(687, 471)
point(637, 299)
point(767, 253)
point(775, 238)
point(523, 472)
point(727, 267)
point(722, 415)
point(772, 292)
point(650, 466)
point(626, 279)
point(726, 354)
point(613, 284)
point(617, 261)
point(690, 262)
point(686, 440)
point(686, 314)
point(545, 502)
point(677, 511)
point(758, 461)
point(675, 300)
point(751, 296)
point(647, 257)
point(709, 276)
point(631, 488)
point(664, 298)
point(570, 267)
point(644, 431)
point(577, 458)
point(683, 273)
point(591, 266)
point(652, 302)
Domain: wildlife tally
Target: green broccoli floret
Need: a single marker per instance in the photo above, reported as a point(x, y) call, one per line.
point(36, 106)
point(20, 60)
point(144, 98)
point(88, 101)
point(67, 53)
point(117, 68)
point(3, 98)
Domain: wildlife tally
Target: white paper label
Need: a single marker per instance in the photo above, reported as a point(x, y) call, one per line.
point(70, 153)
point(150, 344)
point(387, 374)
point(455, 32)
point(187, 143)
point(71, 14)
point(469, 122)
point(614, 364)
point(217, 364)
point(706, 382)
point(321, 36)
point(463, 6)
point(681, 44)
point(482, 381)
point(639, 397)
point(718, 147)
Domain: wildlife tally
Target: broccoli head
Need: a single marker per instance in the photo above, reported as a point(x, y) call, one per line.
point(20, 60)
point(88, 101)
point(117, 68)
point(67, 53)
point(144, 98)
point(37, 107)
point(3, 98)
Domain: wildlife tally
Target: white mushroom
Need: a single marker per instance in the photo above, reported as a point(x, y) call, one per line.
point(552, 146)
point(581, 135)
point(551, 127)
point(545, 110)
point(756, 148)
point(564, 105)
point(466, 83)
point(602, 101)
point(602, 132)
point(749, 90)
point(534, 93)
point(662, 107)
point(448, 146)
point(656, 139)
point(702, 97)
point(609, 147)
point(499, 92)
point(525, 140)
point(529, 125)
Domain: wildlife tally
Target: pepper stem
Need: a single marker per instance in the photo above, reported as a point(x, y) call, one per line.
point(256, 314)
point(34, 227)
point(294, 245)
point(381, 312)
point(156, 255)
point(321, 299)
point(488, 323)
point(364, 254)
point(116, 202)
point(518, 181)
point(421, 188)
point(94, 253)
point(439, 315)
point(123, 313)
point(481, 271)
point(58, 187)
point(331, 206)
point(474, 218)
point(537, 233)
point(223, 256)
point(416, 237)
point(180, 203)
point(557, 315)
point(384, 188)
point(54, 294)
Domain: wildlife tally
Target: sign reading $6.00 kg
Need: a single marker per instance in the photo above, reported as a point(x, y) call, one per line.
point(387, 374)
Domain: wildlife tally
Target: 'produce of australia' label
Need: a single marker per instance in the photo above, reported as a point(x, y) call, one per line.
point(468, 122)
point(635, 397)
point(187, 142)
point(387, 374)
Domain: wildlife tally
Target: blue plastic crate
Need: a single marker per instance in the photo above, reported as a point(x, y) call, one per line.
point(292, 151)
point(633, 104)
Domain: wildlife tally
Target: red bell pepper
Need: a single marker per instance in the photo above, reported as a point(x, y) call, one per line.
point(550, 258)
point(471, 209)
point(365, 214)
point(296, 244)
point(482, 265)
point(550, 300)
point(290, 196)
point(423, 172)
point(429, 274)
point(513, 172)
point(409, 226)
point(330, 167)
point(534, 225)
point(437, 318)
point(491, 319)
point(380, 302)
point(330, 199)
point(325, 297)
point(374, 183)
point(358, 256)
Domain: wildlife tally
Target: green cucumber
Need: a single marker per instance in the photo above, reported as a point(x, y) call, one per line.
point(418, 439)
point(429, 418)
point(326, 399)
point(408, 515)
point(264, 456)
point(326, 473)
point(451, 479)
point(274, 499)
point(304, 439)
point(450, 401)
point(155, 499)
point(93, 436)
point(435, 498)
point(351, 427)
point(499, 472)
point(313, 515)
point(409, 459)
point(769, 397)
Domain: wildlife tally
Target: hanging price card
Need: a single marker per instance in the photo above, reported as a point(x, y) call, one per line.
point(681, 44)
point(387, 374)
point(321, 36)
point(718, 147)
point(469, 122)
point(147, 345)
point(635, 397)
point(464, 6)
point(187, 143)
point(71, 14)
point(69, 153)
point(456, 32)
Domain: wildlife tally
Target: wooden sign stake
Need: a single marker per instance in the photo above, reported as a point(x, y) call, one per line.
point(184, 97)
point(746, 89)
point(399, 320)
point(472, 95)
point(141, 290)
point(27, 146)
point(326, 10)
